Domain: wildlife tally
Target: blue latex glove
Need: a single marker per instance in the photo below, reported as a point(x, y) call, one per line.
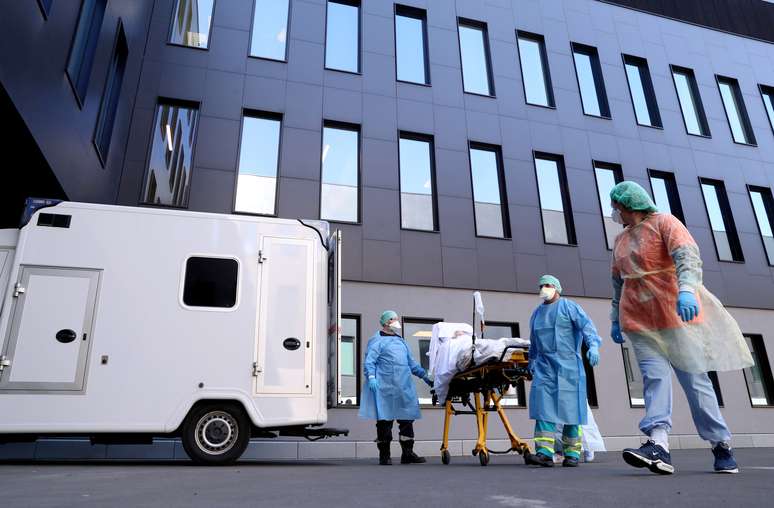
point(615, 333)
point(427, 380)
point(687, 306)
point(373, 384)
point(593, 355)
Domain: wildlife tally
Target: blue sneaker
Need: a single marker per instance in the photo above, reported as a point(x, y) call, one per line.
point(724, 459)
point(650, 455)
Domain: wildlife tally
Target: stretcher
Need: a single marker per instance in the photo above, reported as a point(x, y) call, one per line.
point(486, 385)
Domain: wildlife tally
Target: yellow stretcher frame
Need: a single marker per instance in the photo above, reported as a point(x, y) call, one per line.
point(486, 383)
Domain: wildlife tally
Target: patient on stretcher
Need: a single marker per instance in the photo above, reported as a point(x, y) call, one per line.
point(452, 351)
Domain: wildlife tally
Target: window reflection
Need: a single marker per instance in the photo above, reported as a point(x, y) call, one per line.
point(534, 72)
point(410, 45)
point(417, 334)
point(170, 156)
point(588, 89)
point(556, 225)
point(270, 29)
point(258, 158)
point(416, 184)
point(516, 395)
point(491, 218)
point(633, 377)
point(607, 175)
point(474, 54)
point(191, 23)
point(339, 190)
point(342, 40)
point(721, 222)
point(735, 110)
point(763, 206)
point(760, 384)
point(767, 93)
point(348, 360)
point(689, 104)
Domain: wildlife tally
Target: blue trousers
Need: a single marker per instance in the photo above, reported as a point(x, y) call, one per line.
point(657, 379)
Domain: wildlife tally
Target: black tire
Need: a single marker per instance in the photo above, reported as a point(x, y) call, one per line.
point(216, 434)
point(445, 457)
point(483, 457)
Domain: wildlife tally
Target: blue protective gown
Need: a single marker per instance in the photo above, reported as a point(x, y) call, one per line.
point(389, 359)
point(558, 392)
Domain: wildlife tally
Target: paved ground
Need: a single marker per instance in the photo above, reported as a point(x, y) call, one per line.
point(506, 482)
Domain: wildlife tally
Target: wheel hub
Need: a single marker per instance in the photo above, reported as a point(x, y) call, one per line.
point(216, 432)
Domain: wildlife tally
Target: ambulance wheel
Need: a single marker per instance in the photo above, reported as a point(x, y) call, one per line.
point(445, 457)
point(483, 457)
point(216, 434)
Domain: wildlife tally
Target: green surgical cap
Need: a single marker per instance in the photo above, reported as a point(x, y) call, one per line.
point(386, 316)
point(550, 279)
point(632, 196)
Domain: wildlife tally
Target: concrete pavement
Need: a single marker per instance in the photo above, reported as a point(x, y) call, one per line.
point(506, 482)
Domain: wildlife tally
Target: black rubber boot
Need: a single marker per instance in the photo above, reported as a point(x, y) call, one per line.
point(384, 453)
point(408, 456)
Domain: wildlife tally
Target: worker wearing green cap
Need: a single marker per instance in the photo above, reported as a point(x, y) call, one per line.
point(390, 393)
point(558, 329)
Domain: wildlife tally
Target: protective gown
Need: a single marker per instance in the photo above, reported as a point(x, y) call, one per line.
point(652, 262)
point(558, 392)
point(389, 359)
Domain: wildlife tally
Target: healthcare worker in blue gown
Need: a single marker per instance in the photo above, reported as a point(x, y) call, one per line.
point(389, 393)
point(558, 328)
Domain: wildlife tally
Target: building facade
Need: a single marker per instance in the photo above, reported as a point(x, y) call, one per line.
point(458, 145)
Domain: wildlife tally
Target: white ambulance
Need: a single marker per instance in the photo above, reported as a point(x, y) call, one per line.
point(128, 323)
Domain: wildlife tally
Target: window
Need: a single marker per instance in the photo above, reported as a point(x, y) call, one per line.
point(736, 112)
point(45, 7)
point(417, 183)
point(107, 111)
point(665, 193)
point(690, 101)
point(270, 29)
point(608, 175)
point(721, 220)
point(535, 74)
point(258, 161)
point(633, 377)
point(515, 396)
point(641, 90)
point(591, 84)
point(171, 153)
point(716, 386)
point(558, 225)
point(490, 205)
point(591, 381)
point(191, 22)
point(763, 206)
point(474, 54)
point(342, 36)
point(417, 333)
point(84, 46)
point(339, 198)
point(767, 93)
point(349, 361)
point(411, 45)
point(210, 282)
point(760, 384)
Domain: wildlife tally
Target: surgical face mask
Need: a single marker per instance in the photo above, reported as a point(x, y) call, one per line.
point(395, 326)
point(617, 217)
point(547, 293)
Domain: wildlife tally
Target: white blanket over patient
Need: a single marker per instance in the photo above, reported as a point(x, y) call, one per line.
point(451, 351)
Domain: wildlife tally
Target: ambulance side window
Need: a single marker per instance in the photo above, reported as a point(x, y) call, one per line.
point(210, 282)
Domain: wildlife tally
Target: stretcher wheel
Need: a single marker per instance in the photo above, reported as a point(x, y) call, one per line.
point(483, 457)
point(445, 457)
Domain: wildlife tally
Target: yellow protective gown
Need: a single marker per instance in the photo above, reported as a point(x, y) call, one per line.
point(652, 262)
